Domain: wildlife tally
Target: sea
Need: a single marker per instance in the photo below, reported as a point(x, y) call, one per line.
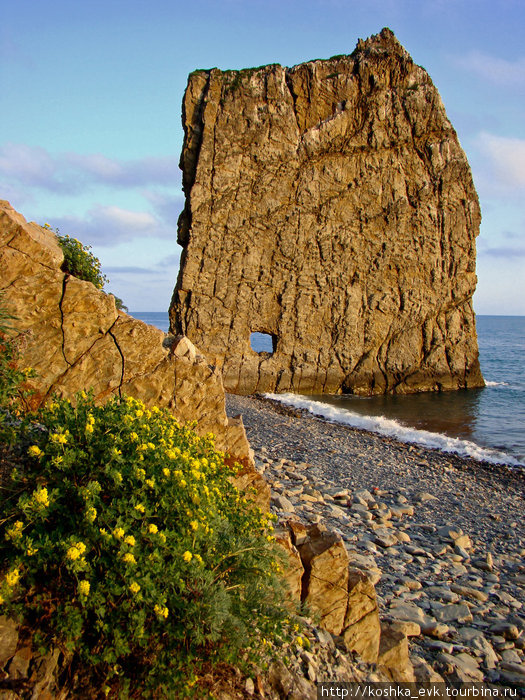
point(485, 424)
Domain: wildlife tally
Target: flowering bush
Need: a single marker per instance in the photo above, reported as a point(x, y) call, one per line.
point(123, 539)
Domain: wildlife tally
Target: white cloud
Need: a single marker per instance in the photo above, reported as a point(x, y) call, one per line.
point(501, 171)
point(70, 173)
point(135, 220)
point(32, 166)
point(111, 225)
point(496, 70)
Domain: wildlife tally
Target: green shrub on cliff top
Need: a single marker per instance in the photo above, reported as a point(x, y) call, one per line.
point(123, 540)
point(80, 262)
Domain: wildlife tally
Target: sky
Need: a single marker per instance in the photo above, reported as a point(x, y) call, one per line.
point(90, 114)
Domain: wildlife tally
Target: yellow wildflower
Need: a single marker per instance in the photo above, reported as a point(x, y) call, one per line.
point(140, 508)
point(151, 446)
point(89, 428)
point(128, 558)
point(118, 532)
point(134, 587)
point(81, 547)
point(194, 525)
point(59, 438)
point(150, 483)
point(73, 553)
point(91, 514)
point(84, 587)
point(166, 471)
point(299, 641)
point(2, 600)
point(183, 483)
point(130, 540)
point(187, 556)
point(57, 459)
point(34, 451)
point(12, 577)
point(15, 531)
point(115, 452)
point(41, 497)
point(198, 558)
point(133, 437)
point(162, 537)
point(161, 611)
point(117, 477)
point(152, 528)
point(139, 413)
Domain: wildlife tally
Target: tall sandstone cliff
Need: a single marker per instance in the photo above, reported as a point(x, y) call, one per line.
point(331, 206)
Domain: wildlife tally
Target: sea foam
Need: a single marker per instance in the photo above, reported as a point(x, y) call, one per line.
point(393, 429)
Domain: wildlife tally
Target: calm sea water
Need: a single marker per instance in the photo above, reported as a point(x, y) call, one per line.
point(484, 423)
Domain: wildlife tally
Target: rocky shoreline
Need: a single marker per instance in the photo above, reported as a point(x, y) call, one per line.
point(442, 536)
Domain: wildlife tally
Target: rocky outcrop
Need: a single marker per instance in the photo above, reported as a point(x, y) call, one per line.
point(74, 337)
point(329, 205)
point(320, 576)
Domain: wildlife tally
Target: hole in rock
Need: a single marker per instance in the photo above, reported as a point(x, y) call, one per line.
point(263, 342)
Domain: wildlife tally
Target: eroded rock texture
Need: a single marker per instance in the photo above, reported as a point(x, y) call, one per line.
point(74, 337)
point(331, 206)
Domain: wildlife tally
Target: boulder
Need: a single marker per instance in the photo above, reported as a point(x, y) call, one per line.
point(362, 629)
point(393, 657)
point(293, 569)
point(325, 580)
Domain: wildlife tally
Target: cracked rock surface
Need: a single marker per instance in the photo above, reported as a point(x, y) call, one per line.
point(75, 338)
point(329, 205)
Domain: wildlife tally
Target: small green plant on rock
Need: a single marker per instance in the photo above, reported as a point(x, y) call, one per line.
point(123, 541)
point(80, 262)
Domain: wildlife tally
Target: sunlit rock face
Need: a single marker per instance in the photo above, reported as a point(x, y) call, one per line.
point(329, 205)
point(75, 339)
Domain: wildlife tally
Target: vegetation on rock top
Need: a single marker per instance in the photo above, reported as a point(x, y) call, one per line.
point(80, 262)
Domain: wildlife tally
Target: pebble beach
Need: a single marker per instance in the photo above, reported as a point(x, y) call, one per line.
point(442, 536)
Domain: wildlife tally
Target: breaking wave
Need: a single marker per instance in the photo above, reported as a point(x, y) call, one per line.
point(394, 429)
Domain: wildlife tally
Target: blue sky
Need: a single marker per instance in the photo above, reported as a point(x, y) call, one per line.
point(91, 132)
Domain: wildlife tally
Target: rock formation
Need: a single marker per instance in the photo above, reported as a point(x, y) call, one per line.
point(320, 575)
point(329, 205)
point(74, 337)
